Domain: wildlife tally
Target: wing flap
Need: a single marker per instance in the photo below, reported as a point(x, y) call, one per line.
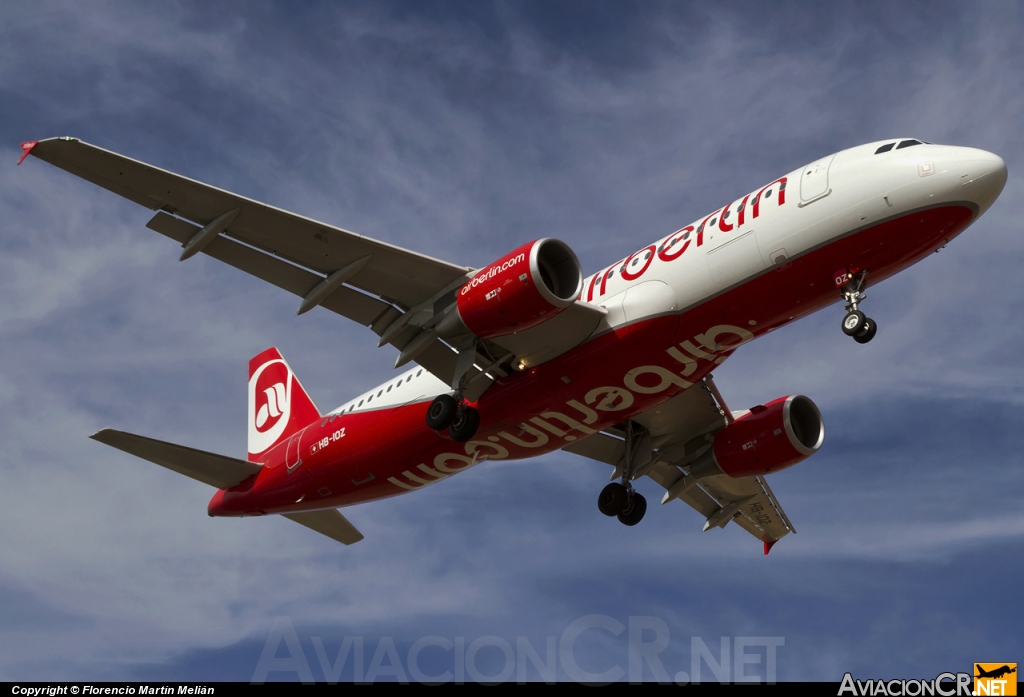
point(209, 468)
point(551, 339)
point(438, 358)
point(599, 446)
point(330, 523)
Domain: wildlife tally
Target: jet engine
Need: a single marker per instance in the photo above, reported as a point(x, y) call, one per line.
point(768, 438)
point(528, 286)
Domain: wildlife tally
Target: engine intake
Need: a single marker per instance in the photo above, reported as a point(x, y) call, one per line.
point(768, 438)
point(528, 286)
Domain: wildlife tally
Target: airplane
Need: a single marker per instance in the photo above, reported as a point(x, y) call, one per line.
point(996, 672)
point(525, 355)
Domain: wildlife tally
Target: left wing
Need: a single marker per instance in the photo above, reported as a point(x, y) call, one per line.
point(681, 430)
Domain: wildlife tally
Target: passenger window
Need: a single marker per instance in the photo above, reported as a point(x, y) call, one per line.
point(360, 402)
point(885, 148)
point(389, 388)
point(907, 144)
point(419, 372)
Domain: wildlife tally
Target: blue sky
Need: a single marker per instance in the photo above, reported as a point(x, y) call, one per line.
point(463, 130)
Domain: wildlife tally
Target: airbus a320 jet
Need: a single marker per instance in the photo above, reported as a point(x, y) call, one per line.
point(526, 355)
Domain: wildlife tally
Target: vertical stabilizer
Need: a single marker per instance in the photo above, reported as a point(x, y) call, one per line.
point(278, 406)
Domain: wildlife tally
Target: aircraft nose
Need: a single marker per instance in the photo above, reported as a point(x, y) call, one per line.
point(982, 176)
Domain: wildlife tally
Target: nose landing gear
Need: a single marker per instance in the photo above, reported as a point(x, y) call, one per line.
point(855, 323)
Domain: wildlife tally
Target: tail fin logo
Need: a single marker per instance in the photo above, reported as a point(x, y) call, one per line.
point(277, 403)
point(270, 404)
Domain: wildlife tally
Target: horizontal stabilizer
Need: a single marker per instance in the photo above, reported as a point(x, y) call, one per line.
point(330, 523)
point(209, 468)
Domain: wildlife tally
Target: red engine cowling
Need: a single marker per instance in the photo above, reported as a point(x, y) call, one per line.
point(522, 289)
point(770, 437)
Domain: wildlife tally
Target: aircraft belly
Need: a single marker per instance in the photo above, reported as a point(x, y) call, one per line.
point(611, 378)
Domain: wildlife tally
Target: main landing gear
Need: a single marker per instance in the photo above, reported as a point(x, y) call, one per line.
point(855, 323)
point(623, 501)
point(459, 418)
point(620, 499)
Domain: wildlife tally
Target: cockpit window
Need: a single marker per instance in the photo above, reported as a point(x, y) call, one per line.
point(907, 144)
point(885, 148)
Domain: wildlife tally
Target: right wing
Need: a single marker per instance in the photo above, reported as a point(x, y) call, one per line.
point(370, 282)
point(396, 292)
point(681, 430)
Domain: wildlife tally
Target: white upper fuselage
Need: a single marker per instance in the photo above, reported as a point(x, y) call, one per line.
point(823, 202)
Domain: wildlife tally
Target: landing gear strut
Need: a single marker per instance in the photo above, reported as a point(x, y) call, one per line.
point(855, 323)
point(459, 418)
point(620, 499)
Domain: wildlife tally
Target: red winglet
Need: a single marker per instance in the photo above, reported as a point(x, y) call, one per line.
point(768, 544)
point(26, 148)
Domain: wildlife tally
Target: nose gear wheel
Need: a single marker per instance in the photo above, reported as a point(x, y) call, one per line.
point(856, 324)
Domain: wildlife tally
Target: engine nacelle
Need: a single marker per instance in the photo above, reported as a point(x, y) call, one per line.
point(768, 438)
point(522, 289)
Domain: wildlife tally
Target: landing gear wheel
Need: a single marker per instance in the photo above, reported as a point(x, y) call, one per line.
point(613, 499)
point(853, 323)
point(464, 425)
point(867, 333)
point(441, 412)
point(634, 511)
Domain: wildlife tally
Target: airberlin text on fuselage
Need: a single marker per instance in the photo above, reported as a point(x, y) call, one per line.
point(697, 356)
point(673, 246)
point(492, 272)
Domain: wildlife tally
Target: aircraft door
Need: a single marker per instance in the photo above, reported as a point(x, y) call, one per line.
point(735, 261)
point(814, 180)
point(292, 455)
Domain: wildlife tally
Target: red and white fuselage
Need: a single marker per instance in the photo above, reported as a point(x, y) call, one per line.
point(676, 309)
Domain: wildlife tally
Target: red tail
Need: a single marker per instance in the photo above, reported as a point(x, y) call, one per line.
point(278, 406)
